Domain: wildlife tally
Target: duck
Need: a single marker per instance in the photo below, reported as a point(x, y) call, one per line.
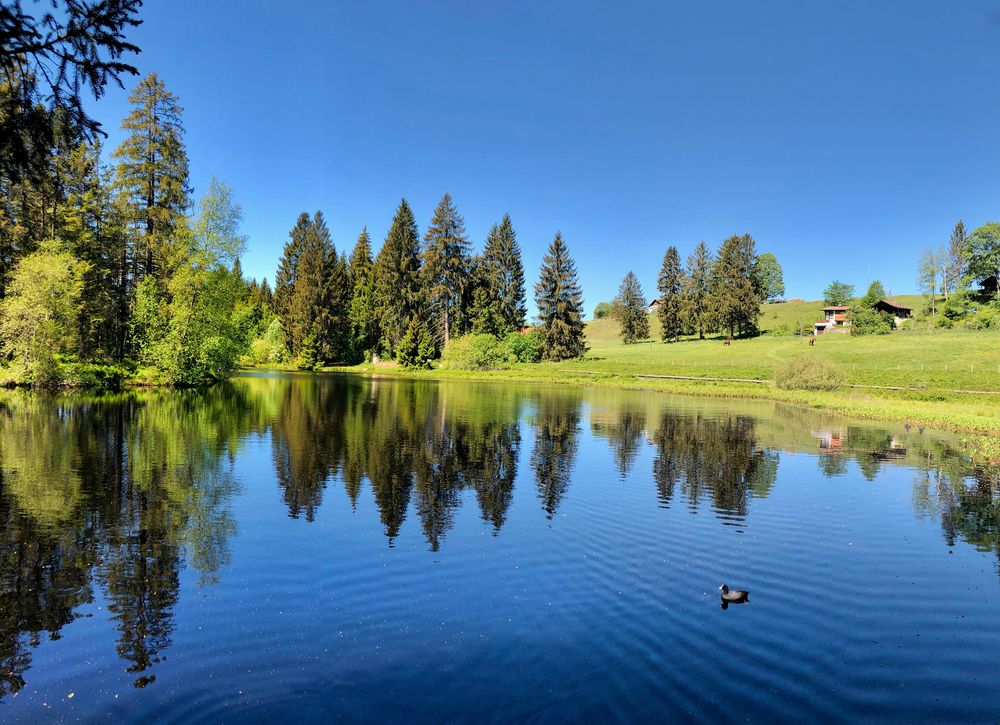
point(734, 596)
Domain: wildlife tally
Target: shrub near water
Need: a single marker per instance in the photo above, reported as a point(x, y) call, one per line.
point(473, 352)
point(485, 352)
point(805, 372)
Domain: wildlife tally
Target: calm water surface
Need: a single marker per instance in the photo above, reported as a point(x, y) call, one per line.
point(304, 547)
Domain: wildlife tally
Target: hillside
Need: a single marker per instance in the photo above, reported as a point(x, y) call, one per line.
point(795, 315)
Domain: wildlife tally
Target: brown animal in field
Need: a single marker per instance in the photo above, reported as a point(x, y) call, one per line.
point(812, 341)
point(728, 342)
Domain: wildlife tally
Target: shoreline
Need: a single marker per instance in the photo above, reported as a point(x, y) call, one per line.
point(958, 412)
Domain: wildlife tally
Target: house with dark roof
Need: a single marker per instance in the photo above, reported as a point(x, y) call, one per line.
point(891, 307)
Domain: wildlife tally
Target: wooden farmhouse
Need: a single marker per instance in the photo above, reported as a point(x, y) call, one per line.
point(891, 307)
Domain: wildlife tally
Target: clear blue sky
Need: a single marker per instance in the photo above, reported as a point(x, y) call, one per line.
point(845, 137)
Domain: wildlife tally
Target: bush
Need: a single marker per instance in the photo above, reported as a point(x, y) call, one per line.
point(526, 348)
point(602, 310)
point(987, 318)
point(474, 352)
point(806, 372)
point(866, 321)
point(780, 331)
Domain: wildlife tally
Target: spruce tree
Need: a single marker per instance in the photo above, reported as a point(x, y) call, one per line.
point(301, 281)
point(670, 284)
point(734, 294)
point(630, 309)
point(398, 293)
point(560, 304)
point(333, 322)
point(364, 323)
point(416, 348)
point(152, 173)
point(284, 278)
point(503, 274)
point(445, 270)
point(697, 291)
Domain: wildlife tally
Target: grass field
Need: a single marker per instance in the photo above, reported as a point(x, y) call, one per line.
point(935, 360)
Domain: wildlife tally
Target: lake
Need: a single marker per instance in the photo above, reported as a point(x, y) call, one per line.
point(305, 547)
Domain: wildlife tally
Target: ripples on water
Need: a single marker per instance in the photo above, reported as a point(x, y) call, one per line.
point(307, 547)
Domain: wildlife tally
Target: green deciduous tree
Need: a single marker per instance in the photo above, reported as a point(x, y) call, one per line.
point(838, 294)
point(768, 278)
point(929, 275)
point(445, 269)
point(875, 294)
point(39, 316)
point(398, 293)
point(670, 284)
point(982, 252)
point(630, 309)
point(560, 304)
point(955, 266)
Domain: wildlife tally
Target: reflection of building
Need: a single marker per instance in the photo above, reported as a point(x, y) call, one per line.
point(830, 441)
point(835, 318)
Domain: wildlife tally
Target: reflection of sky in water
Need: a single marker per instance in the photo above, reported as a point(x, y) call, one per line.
point(288, 547)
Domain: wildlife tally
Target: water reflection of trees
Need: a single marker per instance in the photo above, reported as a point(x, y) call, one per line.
point(110, 492)
point(716, 459)
point(967, 506)
point(423, 443)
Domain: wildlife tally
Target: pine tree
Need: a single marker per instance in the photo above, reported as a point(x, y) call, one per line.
point(734, 295)
point(502, 272)
point(300, 280)
point(560, 304)
point(333, 323)
point(364, 323)
point(445, 269)
point(630, 309)
point(398, 294)
point(416, 347)
point(697, 291)
point(152, 173)
point(670, 284)
point(284, 278)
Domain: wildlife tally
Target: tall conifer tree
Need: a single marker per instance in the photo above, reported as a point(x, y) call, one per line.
point(560, 304)
point(734, 294)
point(152, 173)
point(502, 272)
point(398, 293)
point(333, 321)
point(445, 269)
point(697, 291)
point(670, 284)
point(364, 322)
point(630, 309)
